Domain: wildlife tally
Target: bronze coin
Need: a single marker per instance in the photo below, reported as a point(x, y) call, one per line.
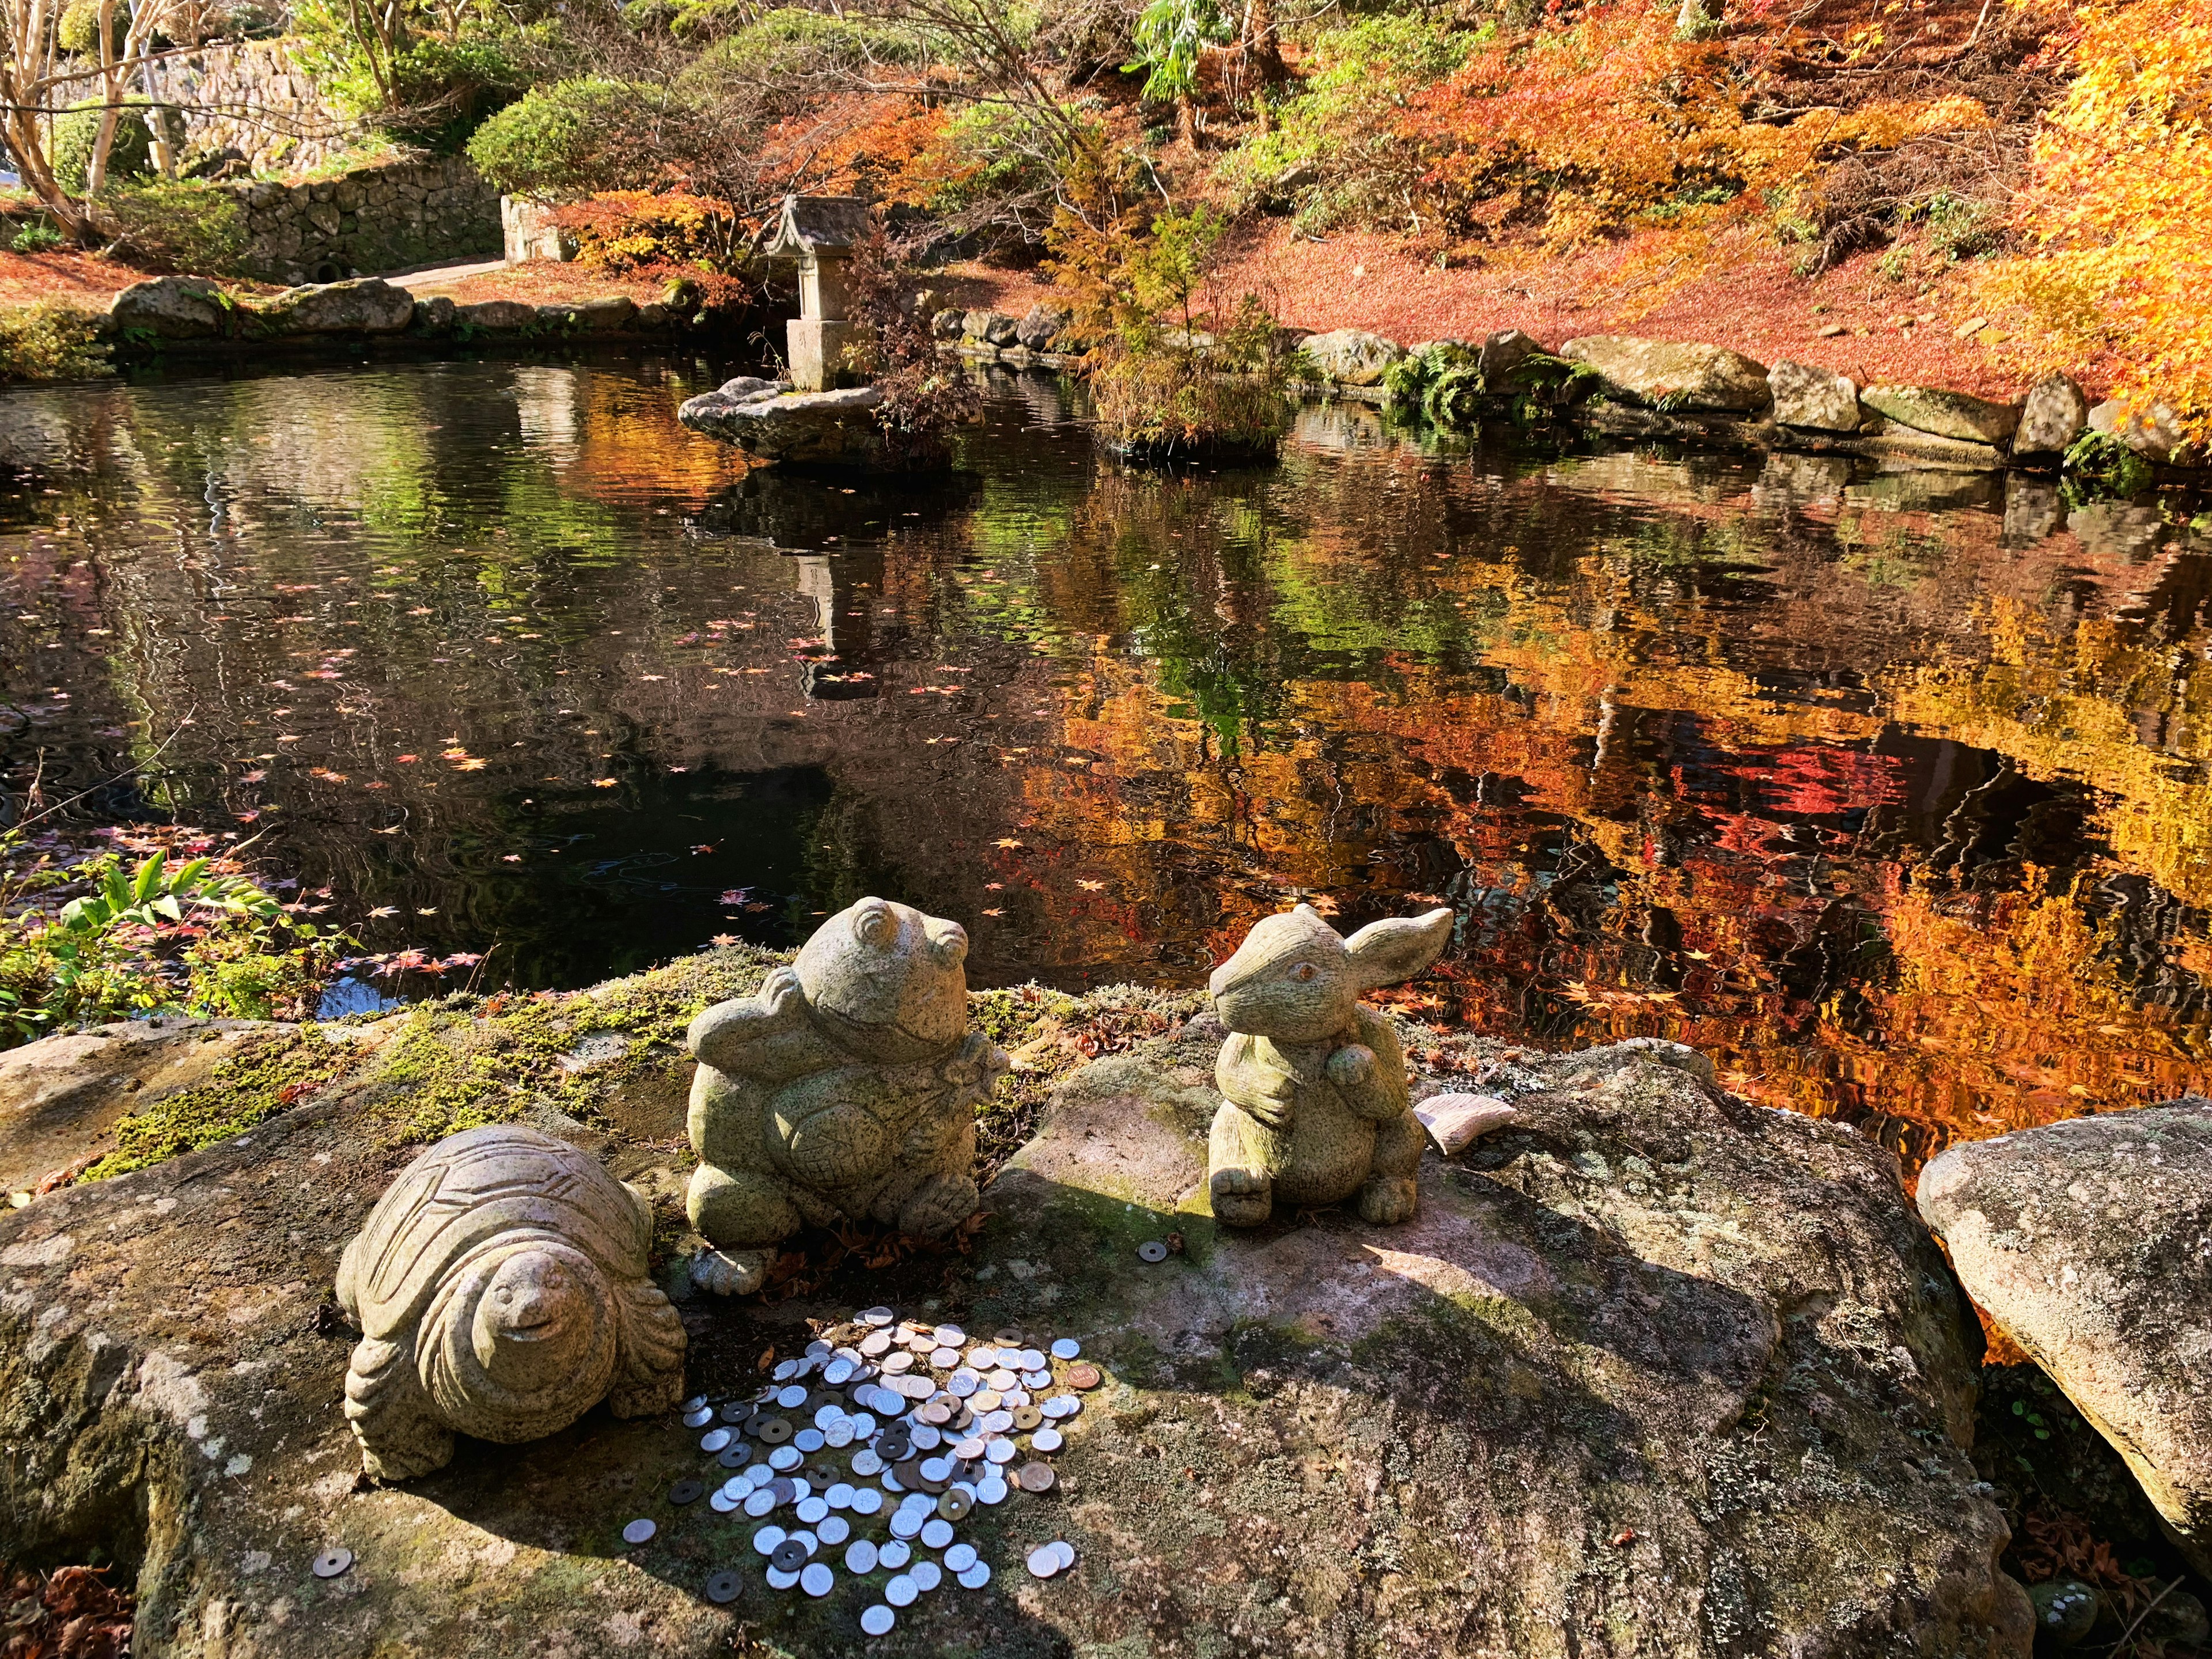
point(936, 1414)
point(1009, 1338)
point(822, 1476)
point(822, 1397)
point(773, 1432)
point(1027, 1418)
point(964, 1421)
point(1036, 1477)
point(984, 1399)
point(909, 1473)
point(936, 1487)
point(1083, 1376)
point(955, 1505)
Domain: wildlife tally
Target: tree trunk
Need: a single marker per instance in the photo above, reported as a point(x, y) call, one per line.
point(1186, 119)
point(1266, 46)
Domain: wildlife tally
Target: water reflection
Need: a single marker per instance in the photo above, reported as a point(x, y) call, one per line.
point(1888, 787)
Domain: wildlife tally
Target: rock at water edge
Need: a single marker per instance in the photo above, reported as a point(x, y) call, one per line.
point(1350, 357)
point(2154, 433)
point(1944, 414)
point(1817, 399)
point(1673, 373)
point(170, 308)
point(2051, 416)
point(2085, 1241)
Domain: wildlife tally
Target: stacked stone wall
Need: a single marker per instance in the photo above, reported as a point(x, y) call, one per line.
point(384, 218)
point(252, 100)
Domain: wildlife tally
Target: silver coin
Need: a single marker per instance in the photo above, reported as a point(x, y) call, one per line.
point(839, 1434)
point(817, 1348)
point(877, 1315)
point(1046, 1440)
point(1055, 1407)
point(1002, 1379)
point(1152, 1250)
point(950, 1336)
point(926, 1575)
point(937, 1468)
point(786, 1457)
point(810, 1440)
point(866, 1464)
point(839, 1496)
point(960, 1557)
point(864, 1427)
point(895, 1554)
point(867, 1501)
point(1044, 1561)
point(713, 1440)
point(699, 1418)
point(639, 1531)
point(1036, 1379)
point(991, 1489)
point(760, 1503)
point(1066, 1552)
point(806, 1541)
point(945, 1358)
point(1014, 1399)
point(812, 1510)
point(982, 1356)
point(1066, 1348)
point(784, 1372)
point(781, 1580)
point(936, 1535)
point(976, 1576)
point(833, 1529)
point(962, 1383)
point(1001, 1451)
point(878, 1619)
point(337, 1557)
point(1031, 1360)
point(861, 1557)
point(791, 1398)
point(895, 1363)
point(724, 1587)
point(817, 1580)
point(825, 1415)
point(970, 1449)
point(901, 1591)
point(905, 1524)
point(768, 1538)
point(723, 1501)
point(891, 1481)
point(999, 1422)
point(915, 1388)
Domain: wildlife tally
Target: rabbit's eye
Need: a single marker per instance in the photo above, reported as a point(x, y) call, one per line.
point(1303, 972)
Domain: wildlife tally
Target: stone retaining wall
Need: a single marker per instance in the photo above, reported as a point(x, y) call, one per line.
point(252, 100)
point(387, 218)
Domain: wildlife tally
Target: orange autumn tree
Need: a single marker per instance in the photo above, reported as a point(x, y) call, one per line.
point(1618, 121)
point(2119, 203)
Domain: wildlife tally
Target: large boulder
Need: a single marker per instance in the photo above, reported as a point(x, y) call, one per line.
point(946, 324)
point(2154, 433)
point(1350, 357)
point(367, 305)
point(1945, 414)
point(1653, 1370)
point(1503, 352)
point(1673, 374)
point(2051, 416)
point(497, 316)
point(169, 308)
point(2085, 1241)
point(1816, 400)
point(801, 429)
point(991, 327)
point(1042, 325)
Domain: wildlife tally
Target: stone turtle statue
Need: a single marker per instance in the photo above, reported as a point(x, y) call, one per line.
point(844, 1088)
point(500, 1286)
point(1317, 1109)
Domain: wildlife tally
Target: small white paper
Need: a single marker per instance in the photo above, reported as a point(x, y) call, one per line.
point(1454, 1121)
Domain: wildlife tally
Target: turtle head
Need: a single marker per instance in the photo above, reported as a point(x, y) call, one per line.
point(537, 1314)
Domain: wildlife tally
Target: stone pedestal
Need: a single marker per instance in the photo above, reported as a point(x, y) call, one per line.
point(816, 352)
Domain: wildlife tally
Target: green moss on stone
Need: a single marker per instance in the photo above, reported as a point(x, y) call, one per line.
point(260, 1080)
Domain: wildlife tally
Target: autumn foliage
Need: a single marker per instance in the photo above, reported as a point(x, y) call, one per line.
point(2119, 207)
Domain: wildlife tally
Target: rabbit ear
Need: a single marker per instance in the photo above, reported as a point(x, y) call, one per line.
point(1384, 952)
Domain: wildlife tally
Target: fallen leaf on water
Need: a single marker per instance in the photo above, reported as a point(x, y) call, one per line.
point(510, 858)
point(407, 760)
point(1008, 841)
point(723, 939)
point(995, 913)
point(386, 910)
point(470, 765)
point(427, 910)
point(1092, 886)
point(604, 783)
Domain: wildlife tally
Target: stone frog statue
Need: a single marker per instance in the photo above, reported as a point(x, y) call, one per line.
point(1316, 1107)
point(845, 1087)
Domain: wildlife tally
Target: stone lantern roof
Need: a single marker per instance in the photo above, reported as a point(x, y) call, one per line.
point(819, 226)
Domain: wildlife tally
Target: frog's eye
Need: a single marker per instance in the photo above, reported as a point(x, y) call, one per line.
point(1304, 973)
point(875, 925)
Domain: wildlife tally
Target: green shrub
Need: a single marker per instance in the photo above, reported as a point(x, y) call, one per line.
point(787, 46)
point(36, 237)
point(129, 155)
point(49, 341)
point(179, 223)
point(444, 90)
point(2099, 467)
point(571, 138)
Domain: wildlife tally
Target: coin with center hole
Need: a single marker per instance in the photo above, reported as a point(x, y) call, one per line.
point(639, 1531)
point(1083, 1376)
point(1008, 1338)
point(736, 1412)
point(878, 1619)
point(773, 1430)
point(1036, 1477)
point(789, 1556)
point(724, 1587)
point(1027, 1418)
point(955, 1504)
point(686, 1492)
point(335, 1560)
point(1152, 1250)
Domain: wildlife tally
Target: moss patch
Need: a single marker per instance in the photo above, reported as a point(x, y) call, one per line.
point(279, 1071)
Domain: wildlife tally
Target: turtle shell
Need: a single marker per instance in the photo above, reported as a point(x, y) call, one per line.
point(471, 1187)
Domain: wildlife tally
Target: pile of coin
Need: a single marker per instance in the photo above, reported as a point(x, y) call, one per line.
point(893, 1423)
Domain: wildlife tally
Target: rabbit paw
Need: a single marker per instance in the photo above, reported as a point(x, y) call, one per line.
point(731, 1273)
point(1385, 1200)
point(1241, 1198)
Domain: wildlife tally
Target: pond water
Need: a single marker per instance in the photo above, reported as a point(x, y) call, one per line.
point(1890, 791)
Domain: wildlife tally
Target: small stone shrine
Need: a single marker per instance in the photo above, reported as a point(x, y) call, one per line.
point(820, 231)
point(503, 1290)
point(845, 1087)
point(1316, 1107)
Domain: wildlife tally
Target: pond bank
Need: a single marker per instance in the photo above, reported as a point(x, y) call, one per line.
point(1653, 1368)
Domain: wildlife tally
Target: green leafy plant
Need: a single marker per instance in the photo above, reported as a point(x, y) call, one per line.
point(179, 224)
point(37, 237)
point(1169, 37)
point(2099, 467)
point(130, 155)
point(49, 340)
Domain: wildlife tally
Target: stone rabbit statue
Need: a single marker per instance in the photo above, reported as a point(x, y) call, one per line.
point(1316, 1107)
point(845, 1087)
